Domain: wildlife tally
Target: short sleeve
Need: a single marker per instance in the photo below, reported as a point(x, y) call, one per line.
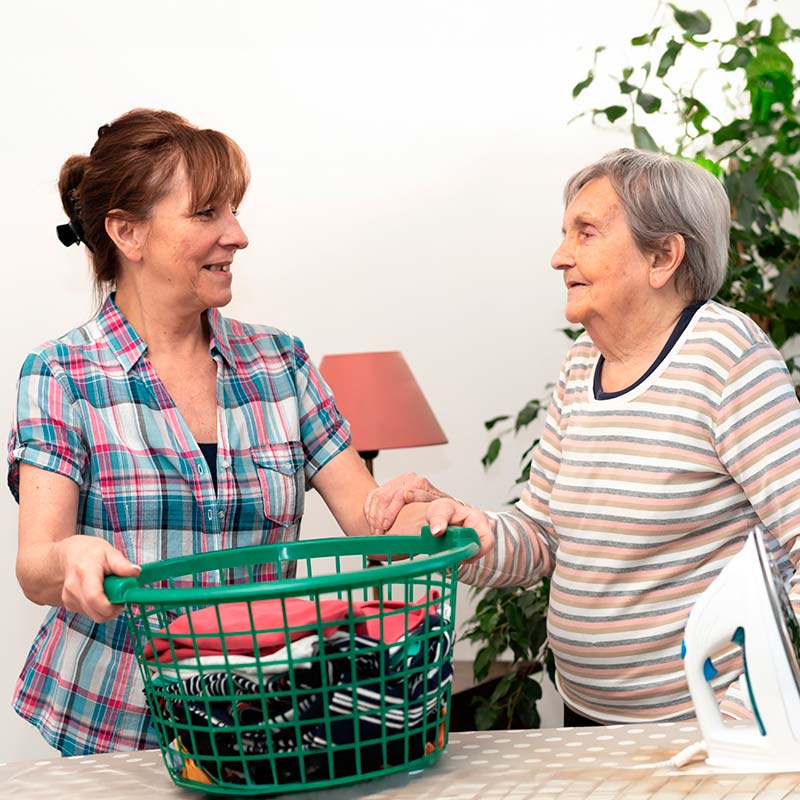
point(46, 429)
point(323, 430)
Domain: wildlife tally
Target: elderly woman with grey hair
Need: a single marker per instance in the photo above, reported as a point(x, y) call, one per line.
point(672, 431)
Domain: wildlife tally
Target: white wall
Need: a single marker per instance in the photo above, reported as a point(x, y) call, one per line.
point(407, 162)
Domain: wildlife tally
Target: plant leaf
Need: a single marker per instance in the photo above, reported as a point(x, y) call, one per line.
point(768, 59)
point(668, 59)
point(492, 452)
point(581, 85)
point(650, 103)
point(778, 29)
point(503, 686)
point(527, 414)
point(695, 23)
point(738, 130)
point(642, 139)
point(612, 113)
point(741, 58)
point(696, 113)
point(712, 166)
point(626, 88)
point(645, 38)
point(781, 190)
point(490, 423)
point(480, 668)
point(485, 716)
point(572, 333)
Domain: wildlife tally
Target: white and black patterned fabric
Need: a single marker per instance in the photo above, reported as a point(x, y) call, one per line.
point(376, 704)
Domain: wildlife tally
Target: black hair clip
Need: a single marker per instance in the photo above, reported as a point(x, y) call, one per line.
point(67, 234)
point(72, 232)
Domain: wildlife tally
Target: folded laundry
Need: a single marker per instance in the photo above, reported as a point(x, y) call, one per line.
point(250, 666)
point(377, 705)
point(264, 626)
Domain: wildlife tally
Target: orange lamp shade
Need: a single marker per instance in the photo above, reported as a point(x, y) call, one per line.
point(379, 397)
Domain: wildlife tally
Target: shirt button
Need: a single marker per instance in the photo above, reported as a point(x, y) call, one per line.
point(210, 514)
point(226, 464)
point(221, 514)
point(200, 469)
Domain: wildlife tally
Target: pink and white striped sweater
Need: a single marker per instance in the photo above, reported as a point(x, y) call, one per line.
point(635, 503)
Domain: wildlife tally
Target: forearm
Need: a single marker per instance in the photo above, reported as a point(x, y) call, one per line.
point(522, 554)
point(40, 572)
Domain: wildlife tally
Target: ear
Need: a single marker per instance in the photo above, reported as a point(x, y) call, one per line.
point(666, 261)
point(129, 237)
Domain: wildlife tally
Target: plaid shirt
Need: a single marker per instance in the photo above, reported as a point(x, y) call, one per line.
point(91, 407)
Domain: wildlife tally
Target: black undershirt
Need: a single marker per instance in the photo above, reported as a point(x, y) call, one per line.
point(683, 322)
point(209, 450)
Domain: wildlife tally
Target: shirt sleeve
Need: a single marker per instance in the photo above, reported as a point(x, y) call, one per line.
point(323, 430)
point(525, 538)
point(756, 435)
point(46, 428)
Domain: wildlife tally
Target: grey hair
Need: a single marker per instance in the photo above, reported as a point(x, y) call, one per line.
point(662, 196)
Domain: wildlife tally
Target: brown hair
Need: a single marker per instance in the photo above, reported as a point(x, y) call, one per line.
point(129, 170)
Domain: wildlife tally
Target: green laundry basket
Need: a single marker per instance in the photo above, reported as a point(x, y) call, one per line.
point(263, 683)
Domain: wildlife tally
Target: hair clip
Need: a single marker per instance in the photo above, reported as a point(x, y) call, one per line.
point(72, 232)
point(103, 130)
point(66, 234)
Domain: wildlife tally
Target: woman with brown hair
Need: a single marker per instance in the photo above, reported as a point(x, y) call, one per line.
point(159, 428)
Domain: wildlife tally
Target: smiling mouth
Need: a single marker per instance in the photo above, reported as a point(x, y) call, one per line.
point(217, 267)
point(574, 284)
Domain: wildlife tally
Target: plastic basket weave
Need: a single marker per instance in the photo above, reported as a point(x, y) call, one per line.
point(259, 687)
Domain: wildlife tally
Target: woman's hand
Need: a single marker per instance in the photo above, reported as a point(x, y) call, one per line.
point(85, 561)
point(446, 511)
point(384, 503)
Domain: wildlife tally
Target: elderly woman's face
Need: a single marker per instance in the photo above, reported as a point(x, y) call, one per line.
point(605, 273)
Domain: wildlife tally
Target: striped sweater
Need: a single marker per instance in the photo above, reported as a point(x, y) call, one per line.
point(635, 503)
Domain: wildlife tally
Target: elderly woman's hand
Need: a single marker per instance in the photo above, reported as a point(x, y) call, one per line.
point(384, 503)
point(444, 512)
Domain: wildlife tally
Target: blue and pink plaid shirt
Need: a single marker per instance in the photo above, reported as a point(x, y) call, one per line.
point(91, 407)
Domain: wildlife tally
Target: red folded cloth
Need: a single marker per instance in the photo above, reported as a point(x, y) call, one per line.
point(244, 628)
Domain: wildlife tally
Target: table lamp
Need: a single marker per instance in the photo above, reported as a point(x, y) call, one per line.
point(379, 397)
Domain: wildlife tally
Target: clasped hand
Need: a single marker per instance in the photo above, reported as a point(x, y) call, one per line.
point(384, 503)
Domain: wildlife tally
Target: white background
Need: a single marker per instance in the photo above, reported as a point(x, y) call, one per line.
point(407, 166)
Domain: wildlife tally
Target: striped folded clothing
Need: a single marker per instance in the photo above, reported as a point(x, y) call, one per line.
point(376, 704)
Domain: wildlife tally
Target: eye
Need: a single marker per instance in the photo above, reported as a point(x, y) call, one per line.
point(584, 234)
point(205, 212)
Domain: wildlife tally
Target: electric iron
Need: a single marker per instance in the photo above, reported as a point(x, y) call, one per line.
point(747, 604)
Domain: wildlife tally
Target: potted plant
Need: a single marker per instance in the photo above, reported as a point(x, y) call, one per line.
point(745, 129)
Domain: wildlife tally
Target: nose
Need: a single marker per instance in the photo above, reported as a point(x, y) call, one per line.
point(562, 258)
point(234, 235)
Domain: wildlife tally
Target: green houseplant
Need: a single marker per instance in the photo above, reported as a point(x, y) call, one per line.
point(729, 103)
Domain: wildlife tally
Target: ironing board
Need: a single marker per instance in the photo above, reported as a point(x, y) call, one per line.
point(559, 763)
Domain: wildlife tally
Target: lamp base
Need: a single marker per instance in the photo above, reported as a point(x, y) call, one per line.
point(369, 456)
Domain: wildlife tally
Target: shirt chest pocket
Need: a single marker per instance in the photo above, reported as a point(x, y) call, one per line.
point(281, 478)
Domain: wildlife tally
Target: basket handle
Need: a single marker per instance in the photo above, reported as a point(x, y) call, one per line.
point(116, 587)
point(137, 590)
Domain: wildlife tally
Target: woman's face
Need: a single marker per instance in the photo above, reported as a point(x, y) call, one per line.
point(605, 273)
point(188, 252)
